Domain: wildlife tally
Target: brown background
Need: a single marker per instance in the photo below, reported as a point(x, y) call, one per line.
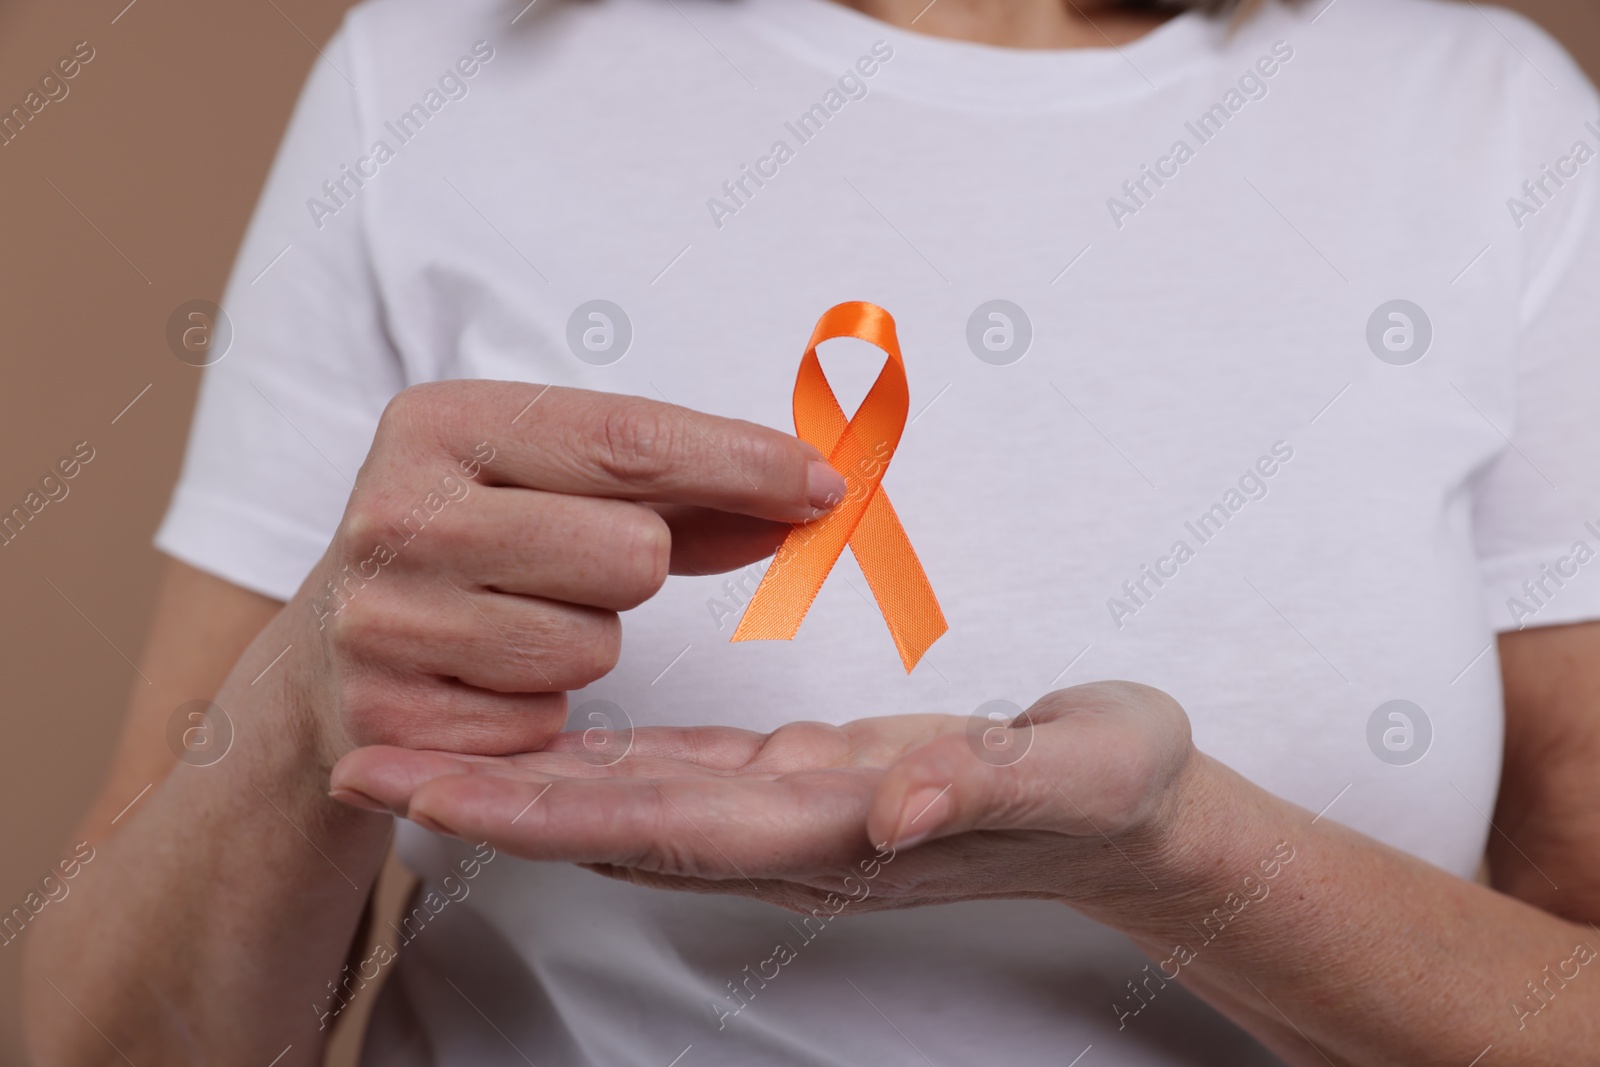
point(161, 146)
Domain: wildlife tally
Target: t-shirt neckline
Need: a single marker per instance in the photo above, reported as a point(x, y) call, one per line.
point(981, 77)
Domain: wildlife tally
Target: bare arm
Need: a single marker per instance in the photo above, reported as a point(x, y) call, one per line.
point(476, 576)
point(1329, 946)
point(204, 911)
point(1363, 955)
point(200, 627)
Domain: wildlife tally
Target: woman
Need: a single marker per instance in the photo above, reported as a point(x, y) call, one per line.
point(1246, 356)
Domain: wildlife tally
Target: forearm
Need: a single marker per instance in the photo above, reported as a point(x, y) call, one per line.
point(1352, 952)
point(211, 921)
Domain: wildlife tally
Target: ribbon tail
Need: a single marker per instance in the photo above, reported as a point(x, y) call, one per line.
point(793, 579)
point(898, 582)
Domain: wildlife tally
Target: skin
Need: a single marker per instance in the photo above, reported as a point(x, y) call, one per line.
point(1375, 956)
point(222, 902)
point(223, 899)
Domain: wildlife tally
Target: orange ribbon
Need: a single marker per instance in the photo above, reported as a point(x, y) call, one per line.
point(860, 449)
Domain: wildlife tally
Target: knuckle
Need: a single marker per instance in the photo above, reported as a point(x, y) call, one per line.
point(365, 522)
point(632, 443)
point(338, 635)
point(414, 413)
point(945, 759)
point(764, 455)
point(380, 527)
point(663, 851)
point(351, 627)
point(405, 407)
point(795, 745)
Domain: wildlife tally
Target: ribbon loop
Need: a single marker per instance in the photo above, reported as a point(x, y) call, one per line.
point(859, 448)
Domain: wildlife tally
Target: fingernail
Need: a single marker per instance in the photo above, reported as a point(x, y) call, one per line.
point(825, 487)
point(357, 799)
point(924, 811)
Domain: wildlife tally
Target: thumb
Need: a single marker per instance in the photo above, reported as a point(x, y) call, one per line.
point(1065, 766)
point(973, 779)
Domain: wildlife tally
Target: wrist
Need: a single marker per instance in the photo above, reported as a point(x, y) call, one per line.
point(1211, 845)
point(1194, 824)
point(277, 696)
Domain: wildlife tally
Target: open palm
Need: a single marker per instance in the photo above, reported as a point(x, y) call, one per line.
point(1005, 809)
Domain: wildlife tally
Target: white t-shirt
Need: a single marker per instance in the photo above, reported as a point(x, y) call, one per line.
point(1201, 447)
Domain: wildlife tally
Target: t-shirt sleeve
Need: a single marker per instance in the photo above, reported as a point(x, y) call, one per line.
point(287, 414)
point(1537, 508)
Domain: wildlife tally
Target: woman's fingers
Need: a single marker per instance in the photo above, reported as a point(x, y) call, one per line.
point(697, 827)
point(486, 640)
point(389, 775)
point(705, 541)
point(1088, 761)
point(793, 747)
point(716, 804)
point(592, 444)
point(602, 553)
point(487, 554)
point(447, 715)
point(714, 748)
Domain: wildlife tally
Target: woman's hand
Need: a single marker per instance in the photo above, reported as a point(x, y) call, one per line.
point(1063, 803)
point(497, 531)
